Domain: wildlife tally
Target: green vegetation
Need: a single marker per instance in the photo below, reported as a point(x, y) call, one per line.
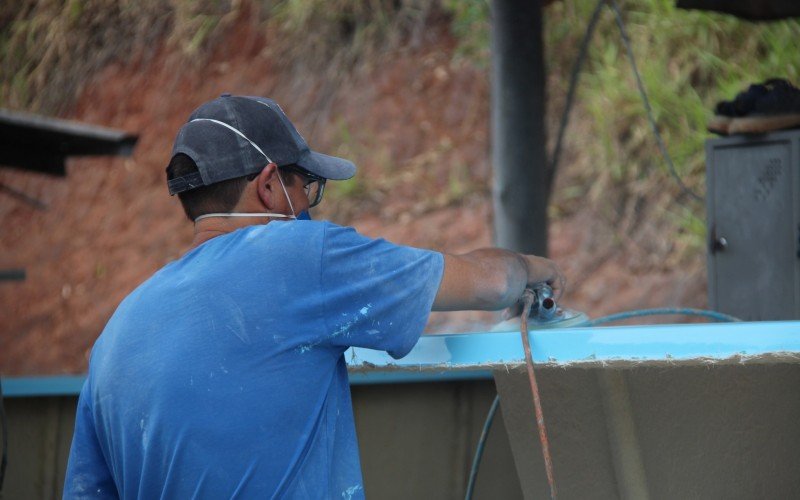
point(688, 61)
point(48, 48)
point(339, 33)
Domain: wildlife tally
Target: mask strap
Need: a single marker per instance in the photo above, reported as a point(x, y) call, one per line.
point(277, 171)
point(236, 131)
point(234, 214)
point(245, 214)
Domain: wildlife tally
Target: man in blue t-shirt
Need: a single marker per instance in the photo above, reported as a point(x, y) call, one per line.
point(223, 374)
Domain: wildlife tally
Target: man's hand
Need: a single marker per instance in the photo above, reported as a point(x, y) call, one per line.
point(540, 270)
point(493, 279)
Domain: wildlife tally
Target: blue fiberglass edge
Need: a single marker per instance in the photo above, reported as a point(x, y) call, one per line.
point(70, 385)
point(451, 357)
point(565, 346)
point(62, 385)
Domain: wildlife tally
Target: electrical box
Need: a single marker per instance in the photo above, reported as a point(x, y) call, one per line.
point(753, 203)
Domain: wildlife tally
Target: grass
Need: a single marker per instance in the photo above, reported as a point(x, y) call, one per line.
point(48, 48)
point(688, 61)
point(336, 35)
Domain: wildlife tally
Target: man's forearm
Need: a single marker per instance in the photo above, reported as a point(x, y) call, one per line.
point(485, 279)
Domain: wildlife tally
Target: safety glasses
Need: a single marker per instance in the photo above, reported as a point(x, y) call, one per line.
point(313, 184)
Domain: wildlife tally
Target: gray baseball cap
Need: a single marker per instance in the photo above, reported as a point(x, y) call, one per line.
point(235, 136)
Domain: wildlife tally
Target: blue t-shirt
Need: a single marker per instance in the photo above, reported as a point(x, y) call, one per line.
point(223, 375)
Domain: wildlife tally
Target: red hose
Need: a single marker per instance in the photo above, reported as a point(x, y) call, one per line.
point(528, 298)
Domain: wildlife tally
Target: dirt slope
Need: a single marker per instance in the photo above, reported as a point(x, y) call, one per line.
point(416, 123)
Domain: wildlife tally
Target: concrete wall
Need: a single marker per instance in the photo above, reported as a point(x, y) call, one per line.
point(416, 440)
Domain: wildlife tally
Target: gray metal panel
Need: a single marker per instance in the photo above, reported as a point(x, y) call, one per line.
point(752, 204)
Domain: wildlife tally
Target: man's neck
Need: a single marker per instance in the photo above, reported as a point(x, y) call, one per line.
point(212, 227)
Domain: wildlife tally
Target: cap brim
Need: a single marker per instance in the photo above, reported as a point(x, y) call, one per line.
point(329, 167)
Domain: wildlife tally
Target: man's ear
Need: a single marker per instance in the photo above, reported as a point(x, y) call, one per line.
point(264, 185)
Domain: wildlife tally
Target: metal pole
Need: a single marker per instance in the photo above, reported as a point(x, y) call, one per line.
point(518, 130)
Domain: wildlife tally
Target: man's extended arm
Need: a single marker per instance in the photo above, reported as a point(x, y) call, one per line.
point(491, 279)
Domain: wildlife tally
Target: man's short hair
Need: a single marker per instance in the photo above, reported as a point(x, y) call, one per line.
point(220, 197)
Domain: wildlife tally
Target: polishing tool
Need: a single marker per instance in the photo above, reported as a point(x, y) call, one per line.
point(545, 313)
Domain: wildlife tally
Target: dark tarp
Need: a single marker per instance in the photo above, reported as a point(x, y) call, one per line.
point(40, 144)
point(754, 10)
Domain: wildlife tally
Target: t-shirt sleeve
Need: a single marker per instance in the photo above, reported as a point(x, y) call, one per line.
point(88, 475)
point(377, 294)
